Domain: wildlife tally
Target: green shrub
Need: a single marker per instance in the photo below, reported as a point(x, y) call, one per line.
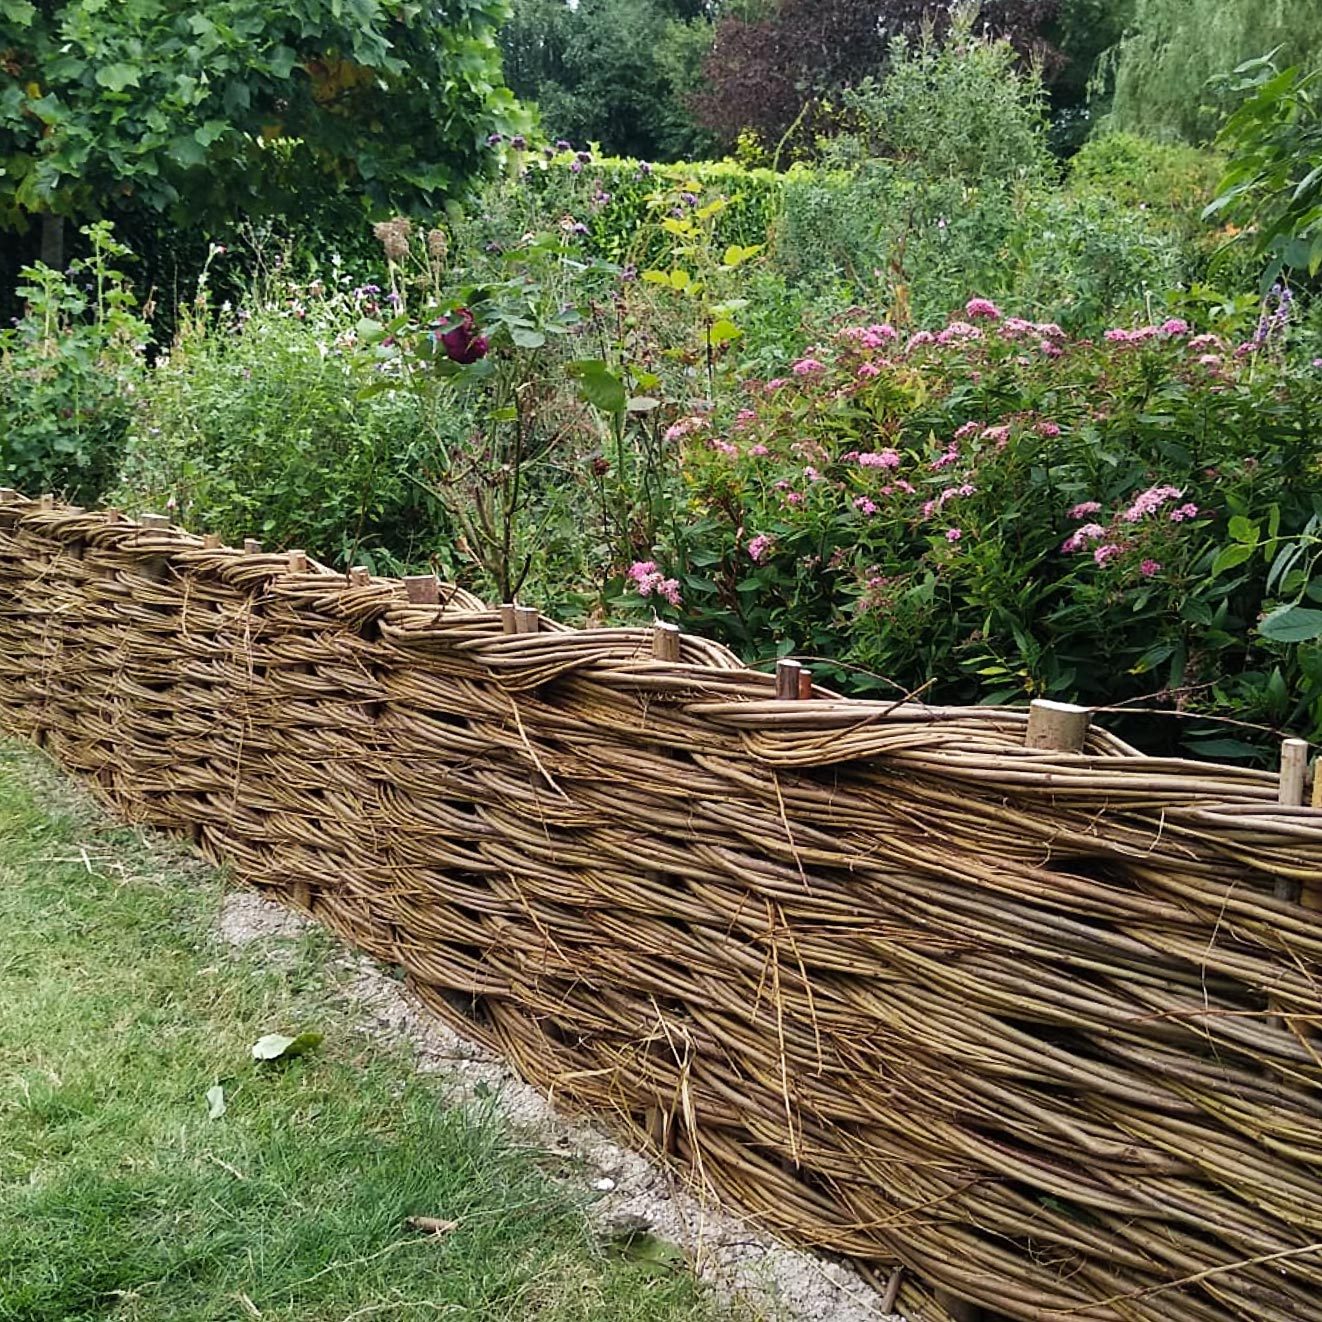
point(618, 200)
point(1170, 182)
point(915, 247)
point(1002, 511)
point(254, 425)
point(69, 369)
point(961, 109)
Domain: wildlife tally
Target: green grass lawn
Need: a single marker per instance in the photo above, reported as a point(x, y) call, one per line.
point(121, 1197)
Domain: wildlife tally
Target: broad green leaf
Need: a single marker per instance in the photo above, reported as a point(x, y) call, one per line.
point(1230, 557)
point(1292, 624)
point(118, 76)
point(642, 404)
point(277, 1046)
point(599, 386)
point(655, 277)
point(723, 332)
point(210, 131)
point(527, 337)
point(1244, 530)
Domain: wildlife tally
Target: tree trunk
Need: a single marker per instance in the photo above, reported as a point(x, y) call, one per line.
point(52, 241)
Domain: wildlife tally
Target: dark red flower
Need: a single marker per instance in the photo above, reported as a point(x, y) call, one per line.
point(462, 344)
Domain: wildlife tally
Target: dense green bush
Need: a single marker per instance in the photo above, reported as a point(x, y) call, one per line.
point(915, 247)
point(1001, 511)
point(255, 424)
point(1171, 182)
point(70, 367)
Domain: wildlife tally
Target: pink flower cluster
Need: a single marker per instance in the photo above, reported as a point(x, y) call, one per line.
point(759, 546)
point(982, 307)
point(870, 337)
point(879, 459)
point(648, 581)
point(678, 430)
point(808, 367)
point(1150, 501)
point(1169, 329)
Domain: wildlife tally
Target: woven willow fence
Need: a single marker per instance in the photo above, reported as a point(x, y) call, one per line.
point(1039, 1026)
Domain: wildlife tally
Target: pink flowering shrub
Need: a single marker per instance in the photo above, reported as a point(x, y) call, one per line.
point(996, 510)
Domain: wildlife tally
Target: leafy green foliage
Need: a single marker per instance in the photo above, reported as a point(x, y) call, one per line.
point(1273, 184)
point(613, 72)
point(208, 109)
point(961, 108)
point(1000, 511)
point(1166, 70)
point(69, 370)
point(1170, 182)
point(255, 424)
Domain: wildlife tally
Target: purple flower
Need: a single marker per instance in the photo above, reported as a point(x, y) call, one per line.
point(495, 139)
point(982, 307)
point(1175, 326)
point(1150, 568)
point(808, 367)
point(462, 344)
point(519, 142)
point(563, 144)
point(864, 505)
point(1084, 508)
point(1105, 553)
point(954, 534)
point(759, 546)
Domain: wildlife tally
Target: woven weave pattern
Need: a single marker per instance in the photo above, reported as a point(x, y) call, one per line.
point(1031, 1024)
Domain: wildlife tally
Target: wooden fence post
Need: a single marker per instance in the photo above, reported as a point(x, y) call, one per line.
point(1059, 726)
point(665, 641)
point(251, 546)
point(423, 589)
point(1294, 772)
point(528, 619)
point(360, 577)
point(154, 522)
point(211, 541)
point(787, 679)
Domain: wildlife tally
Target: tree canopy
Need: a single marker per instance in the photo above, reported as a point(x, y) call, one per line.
point(188, 108)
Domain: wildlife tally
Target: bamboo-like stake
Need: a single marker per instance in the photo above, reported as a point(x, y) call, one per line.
point(787, 679)
point(251, 546)
point(47, 502)
point(1294, 772)
point(1060, 726)
point(154, 522)
point(805, 684)
point(211, 541)
point(528, 618)
point(360, 576)
point(298, 562)
point(665, 641)
point(509, 617)
point(423, 589)
point(892, 1289)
